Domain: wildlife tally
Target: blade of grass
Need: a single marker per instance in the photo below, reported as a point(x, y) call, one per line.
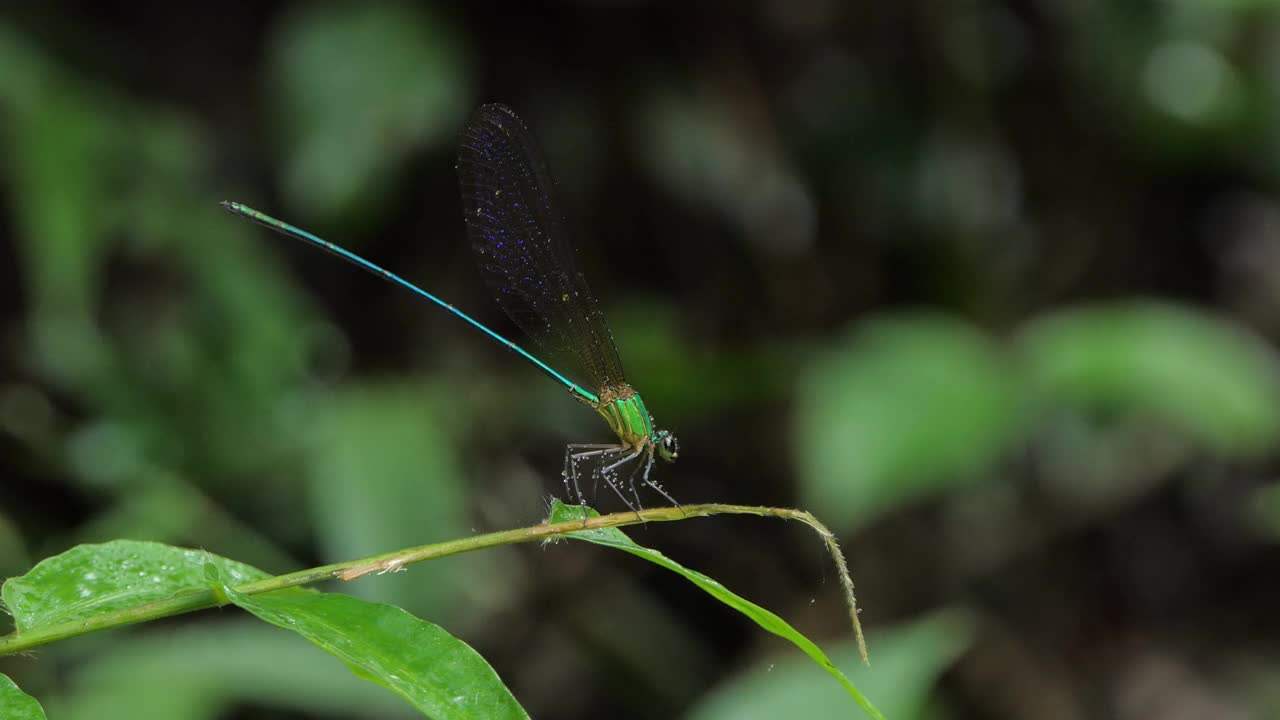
point(612, 537)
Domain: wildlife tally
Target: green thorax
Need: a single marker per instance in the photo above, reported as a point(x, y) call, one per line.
point(625, 412)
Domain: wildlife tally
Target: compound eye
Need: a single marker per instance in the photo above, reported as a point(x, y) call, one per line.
point(670, 445)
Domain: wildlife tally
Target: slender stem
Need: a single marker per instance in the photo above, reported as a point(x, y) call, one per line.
point(198, 599)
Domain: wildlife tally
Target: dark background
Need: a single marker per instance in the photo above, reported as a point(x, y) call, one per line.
point(992, 288)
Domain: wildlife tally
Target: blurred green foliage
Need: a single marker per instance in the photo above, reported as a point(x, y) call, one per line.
point(1203, 376)
point(357, 89)
point(920, 405)
point(911, 406)
point(172, 381)
point(384, 475)
point(992, 288)
point(908, 662)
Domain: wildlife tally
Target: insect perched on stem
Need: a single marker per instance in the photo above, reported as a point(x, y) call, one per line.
point(516, 232)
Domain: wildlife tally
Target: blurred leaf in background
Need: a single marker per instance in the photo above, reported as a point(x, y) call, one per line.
point(907, 406)
point(176, 379)
point(917, 405)
point(908, 661)
point(385, 474)
point(358, 88)
point(1201, 375)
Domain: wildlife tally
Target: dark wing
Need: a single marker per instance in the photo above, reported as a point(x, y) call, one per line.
point(520, 242)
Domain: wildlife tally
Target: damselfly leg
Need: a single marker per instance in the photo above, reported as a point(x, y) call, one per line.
point(607, 473)
point(574, 452)
point(654, 484)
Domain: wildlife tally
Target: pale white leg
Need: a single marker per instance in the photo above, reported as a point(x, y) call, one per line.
point(623, 461)
point(653, 484)
point(571, 459)
point(605, 473)
point(631, 482)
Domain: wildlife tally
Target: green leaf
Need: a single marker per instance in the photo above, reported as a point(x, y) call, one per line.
point(201, 671)
point(1205, 376)
point(612, 537)
point(17, 705)
point(360, 87)
point(90, 580)
point(441, 675)
point(909, 660)
point(911, 405)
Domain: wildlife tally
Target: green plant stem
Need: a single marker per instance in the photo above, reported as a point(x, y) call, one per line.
point(389, 562)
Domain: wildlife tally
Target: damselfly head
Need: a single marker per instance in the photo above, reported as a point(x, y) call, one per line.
point(668, 446)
